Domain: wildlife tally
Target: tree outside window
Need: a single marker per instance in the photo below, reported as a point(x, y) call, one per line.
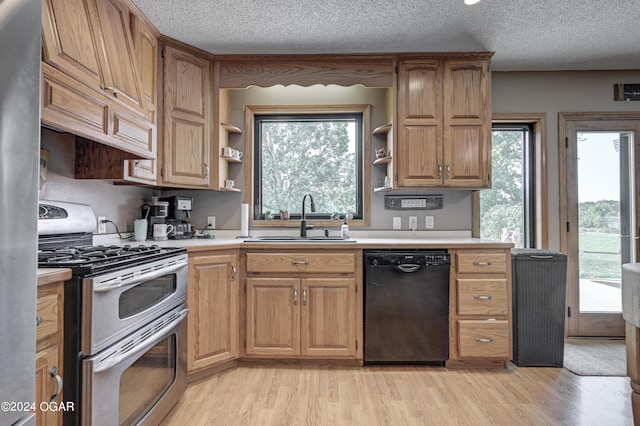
point(506, 212)
point(316, 153)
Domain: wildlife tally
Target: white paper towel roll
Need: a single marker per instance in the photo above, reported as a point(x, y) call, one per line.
point(244, 220)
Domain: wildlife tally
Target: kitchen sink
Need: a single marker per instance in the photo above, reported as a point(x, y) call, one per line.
point(297, 239)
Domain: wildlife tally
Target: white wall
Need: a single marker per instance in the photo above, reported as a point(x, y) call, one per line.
point(551, 93)
point(120, 203)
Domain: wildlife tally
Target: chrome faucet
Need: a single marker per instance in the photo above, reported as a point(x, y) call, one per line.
point(303, 220)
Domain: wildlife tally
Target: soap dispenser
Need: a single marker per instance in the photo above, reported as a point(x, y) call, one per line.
point(344, 229)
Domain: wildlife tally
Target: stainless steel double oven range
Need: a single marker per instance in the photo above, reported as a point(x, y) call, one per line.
point(124, 322)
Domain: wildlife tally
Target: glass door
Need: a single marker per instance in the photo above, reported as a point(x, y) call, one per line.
point(599, 166)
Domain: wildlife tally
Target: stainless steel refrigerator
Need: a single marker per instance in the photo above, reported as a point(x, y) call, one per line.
point(20, 41)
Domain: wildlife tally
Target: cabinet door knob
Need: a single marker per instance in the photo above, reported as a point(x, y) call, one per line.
point(53, 372)
point(484, 339)
point(439, 171)
point(299, 262)
point(476, 263)
point(38, 320)
point(304, 296)
point(295, 296)
point(448, 171)
point(487, 297)
point(235, 271)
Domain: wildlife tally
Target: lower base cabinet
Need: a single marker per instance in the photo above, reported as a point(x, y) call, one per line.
point(480, 307)
point(308, 317)
point(213, 328)
point(49, 352)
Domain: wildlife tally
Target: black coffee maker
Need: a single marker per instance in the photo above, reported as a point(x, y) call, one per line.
point(156, 212)
point(179, 216)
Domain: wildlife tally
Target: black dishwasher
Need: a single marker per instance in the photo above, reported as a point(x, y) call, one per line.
point(406, 309)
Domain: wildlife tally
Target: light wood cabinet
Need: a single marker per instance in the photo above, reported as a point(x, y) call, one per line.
point(145, 40)
point(480, 307)
point(213, 309)
point(312, 317)
point(90, 40)
point(273, 316)
point(98, 161)
point(188, 119)
point(444, 123)
point(49, 351)
point(90, 82)
point(301, 305)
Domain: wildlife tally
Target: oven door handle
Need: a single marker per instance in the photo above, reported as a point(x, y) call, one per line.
point(139, 278)
point(142, 347)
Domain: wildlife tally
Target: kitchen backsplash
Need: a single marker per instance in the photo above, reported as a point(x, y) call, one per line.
point(119, 203)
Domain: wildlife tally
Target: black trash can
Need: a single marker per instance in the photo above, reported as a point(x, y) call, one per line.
point(539, 298)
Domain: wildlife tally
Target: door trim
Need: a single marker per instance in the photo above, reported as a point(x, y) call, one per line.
point(569, 122)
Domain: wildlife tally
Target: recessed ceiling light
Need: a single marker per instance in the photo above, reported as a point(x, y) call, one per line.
point(470, 2)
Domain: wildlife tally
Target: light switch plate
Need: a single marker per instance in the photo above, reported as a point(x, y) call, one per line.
point(397, 222)
point(211, 222)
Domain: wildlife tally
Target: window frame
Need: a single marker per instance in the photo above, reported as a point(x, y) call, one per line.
point(363, 198)
point(538, 186)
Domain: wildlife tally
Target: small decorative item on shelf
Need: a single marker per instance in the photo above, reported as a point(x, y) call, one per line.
point(284, 215)
point(381, 153)
point(229, 183)
point(268, 215)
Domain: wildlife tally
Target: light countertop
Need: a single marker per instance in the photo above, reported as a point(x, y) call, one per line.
point(227, 239)
point(52, 275)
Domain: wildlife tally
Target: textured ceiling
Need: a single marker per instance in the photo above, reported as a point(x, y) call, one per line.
point(525, 35)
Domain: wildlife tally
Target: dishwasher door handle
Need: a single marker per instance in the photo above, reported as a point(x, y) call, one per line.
point(408, 267)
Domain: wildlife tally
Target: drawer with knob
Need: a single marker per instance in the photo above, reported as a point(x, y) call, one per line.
point(482, 296)
point(328, 263)
point(483, 338)
point(485, 262)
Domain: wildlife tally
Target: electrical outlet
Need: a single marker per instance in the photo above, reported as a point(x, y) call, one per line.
point(429, 222)
point(397, 222)
point(211, 222)
point(102, 227)
point(413, 222)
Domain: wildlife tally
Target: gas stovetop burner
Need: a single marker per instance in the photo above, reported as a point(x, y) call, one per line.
point(85, 260)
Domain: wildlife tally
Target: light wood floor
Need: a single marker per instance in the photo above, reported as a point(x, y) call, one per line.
point(333, 395)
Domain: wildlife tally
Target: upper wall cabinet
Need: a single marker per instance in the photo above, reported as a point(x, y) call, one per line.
point(188, 120)
point(91, 41)
point(97, 161)
point(444, 123)
point(91, 83)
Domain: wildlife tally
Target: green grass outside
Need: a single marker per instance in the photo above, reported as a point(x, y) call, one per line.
point(599, 255)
